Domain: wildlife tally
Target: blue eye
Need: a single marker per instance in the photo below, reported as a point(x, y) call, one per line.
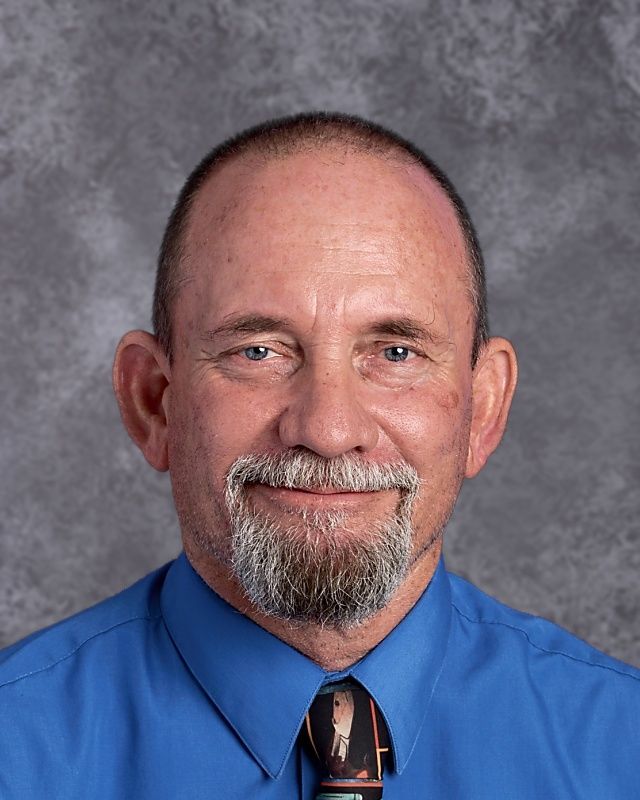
point(256, 353)
point(397, 353)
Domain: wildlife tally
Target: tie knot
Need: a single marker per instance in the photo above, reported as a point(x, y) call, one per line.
point(347, 734)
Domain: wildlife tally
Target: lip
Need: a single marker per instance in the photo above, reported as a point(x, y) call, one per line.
point(314, 497)
point(324, 491)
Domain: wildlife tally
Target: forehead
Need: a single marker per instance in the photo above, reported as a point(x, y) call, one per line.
point(343, 227)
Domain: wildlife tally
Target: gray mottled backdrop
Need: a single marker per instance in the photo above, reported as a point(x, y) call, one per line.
point(533, 109)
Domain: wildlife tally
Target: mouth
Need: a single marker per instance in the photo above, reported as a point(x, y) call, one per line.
point(315, 497)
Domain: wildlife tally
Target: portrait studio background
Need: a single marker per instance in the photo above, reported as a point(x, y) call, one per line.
point(532, 109)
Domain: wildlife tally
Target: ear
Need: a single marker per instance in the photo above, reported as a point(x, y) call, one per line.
point(141, 377)
point(494, 382)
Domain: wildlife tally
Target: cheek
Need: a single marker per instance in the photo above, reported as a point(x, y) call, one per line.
point(429, 425)
point(449, 401)
point(211, 427)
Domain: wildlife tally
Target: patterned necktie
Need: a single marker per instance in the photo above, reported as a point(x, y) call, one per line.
point(349, 737)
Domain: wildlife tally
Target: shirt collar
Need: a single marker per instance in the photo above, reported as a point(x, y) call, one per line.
point(263, 687)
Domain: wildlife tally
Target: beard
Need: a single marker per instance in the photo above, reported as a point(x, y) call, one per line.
point(319, 567)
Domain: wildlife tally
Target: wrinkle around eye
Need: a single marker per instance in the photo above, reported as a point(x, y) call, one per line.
point(377, 369)
point(277, 364)
point(238, 358)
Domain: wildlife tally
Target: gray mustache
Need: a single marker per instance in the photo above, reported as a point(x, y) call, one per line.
point(303, 469)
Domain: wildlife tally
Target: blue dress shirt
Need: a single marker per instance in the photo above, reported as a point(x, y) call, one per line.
point(165, 691)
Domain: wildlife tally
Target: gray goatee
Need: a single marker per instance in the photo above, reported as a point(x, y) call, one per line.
point(317, 569)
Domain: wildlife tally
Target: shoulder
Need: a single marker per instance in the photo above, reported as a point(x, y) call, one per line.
point(118, 617)
point(530, 704)
point(534, 638)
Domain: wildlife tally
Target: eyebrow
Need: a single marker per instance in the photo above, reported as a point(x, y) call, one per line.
point(403, 327)
point(406, 328)
point(248, 323)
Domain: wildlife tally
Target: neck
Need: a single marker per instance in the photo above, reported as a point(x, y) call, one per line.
point(333, 649)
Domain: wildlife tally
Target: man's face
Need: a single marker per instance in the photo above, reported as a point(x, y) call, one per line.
point(325, 315)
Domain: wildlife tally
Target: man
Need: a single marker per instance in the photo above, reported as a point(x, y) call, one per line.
point(320, 383)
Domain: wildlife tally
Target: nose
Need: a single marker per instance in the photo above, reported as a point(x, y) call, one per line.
point(324, 413)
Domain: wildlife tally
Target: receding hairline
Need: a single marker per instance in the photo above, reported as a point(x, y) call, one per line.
point(252, 160)
point(307, 133)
